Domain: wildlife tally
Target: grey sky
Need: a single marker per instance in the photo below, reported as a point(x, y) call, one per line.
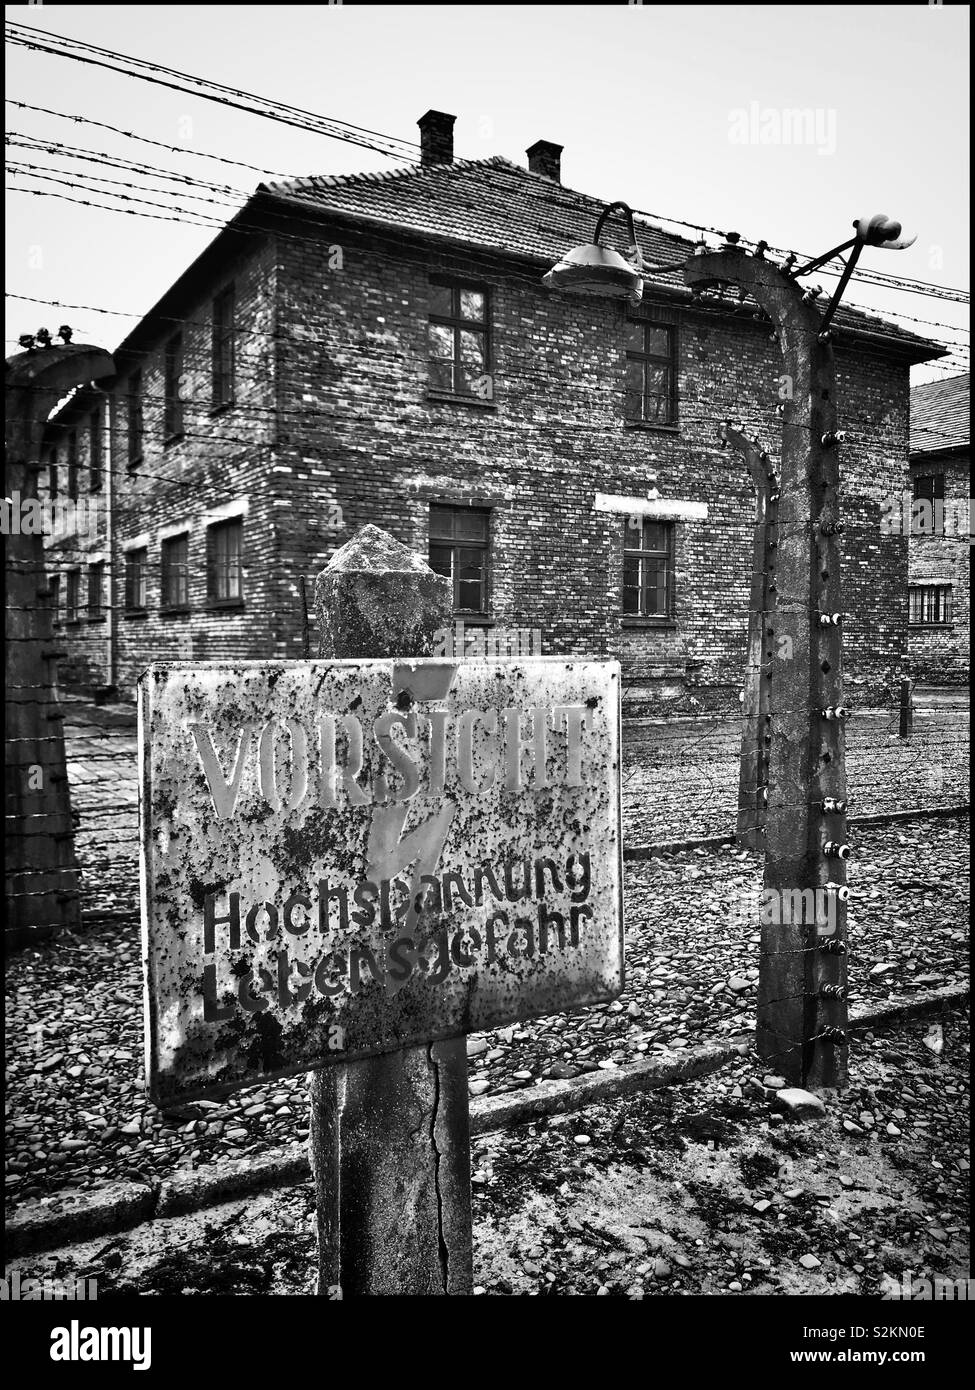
point(642, 97)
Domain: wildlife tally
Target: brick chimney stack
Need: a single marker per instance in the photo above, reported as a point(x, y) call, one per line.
point(436, 138)
point(546, 159)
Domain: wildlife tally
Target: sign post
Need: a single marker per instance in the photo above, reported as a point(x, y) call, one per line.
point(350, 864)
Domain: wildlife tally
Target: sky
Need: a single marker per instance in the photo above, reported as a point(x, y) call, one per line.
point(673, 109)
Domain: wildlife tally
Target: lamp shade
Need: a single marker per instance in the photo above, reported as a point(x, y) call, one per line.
point(598, 270)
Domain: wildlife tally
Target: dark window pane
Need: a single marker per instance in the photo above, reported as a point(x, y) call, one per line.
point(225, 580)
point(634, 337)
point(654, 535)
point(440, 559)
point(442, 522)
point(441, 300)
point(442, 376)
point(471, 525)
point(631, 600)
point(95, 447)
point(658, 340)
point(631, 571)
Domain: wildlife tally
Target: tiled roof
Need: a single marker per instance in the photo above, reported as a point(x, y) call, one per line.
point(498, 205)
point(940, 414)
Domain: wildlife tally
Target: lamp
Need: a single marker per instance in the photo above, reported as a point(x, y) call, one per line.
point(599, 270)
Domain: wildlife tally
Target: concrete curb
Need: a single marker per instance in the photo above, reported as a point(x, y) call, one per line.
point(632, 853)
point(122, 1206)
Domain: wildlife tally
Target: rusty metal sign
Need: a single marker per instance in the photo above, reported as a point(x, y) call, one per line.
point(343, 857)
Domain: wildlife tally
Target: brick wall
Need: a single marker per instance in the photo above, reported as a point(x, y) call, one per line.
point(940, 655)
point(332, 340)
point(354, 355)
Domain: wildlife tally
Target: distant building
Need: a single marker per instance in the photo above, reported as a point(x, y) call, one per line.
point(380, 348)
point(938, 566)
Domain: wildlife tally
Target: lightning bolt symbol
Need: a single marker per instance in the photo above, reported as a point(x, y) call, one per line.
point(389, 851)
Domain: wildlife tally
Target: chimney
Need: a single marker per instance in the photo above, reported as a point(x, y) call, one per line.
point(436, 138)
point(546, 159)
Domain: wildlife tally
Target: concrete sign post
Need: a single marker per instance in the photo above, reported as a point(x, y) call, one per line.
point(348, 858)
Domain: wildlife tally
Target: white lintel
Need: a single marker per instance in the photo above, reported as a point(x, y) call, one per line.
point(226, 510)
point(174, 528)
point(137, 542)
point(656, 508)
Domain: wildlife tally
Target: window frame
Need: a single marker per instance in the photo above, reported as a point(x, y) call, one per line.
point(457, 324)
point(642, 617)
point(168, 605)
point(654, 317)
point(55, 583)
point(456, 544)
point(71, 464)
point(943, 602)
point(223, 356)
point(172, 402)
point(135, 420)
point(96, 613)
point(937, 493)
point(96, 444)
point(72, 595)
point(133, 609)
point(217, 528)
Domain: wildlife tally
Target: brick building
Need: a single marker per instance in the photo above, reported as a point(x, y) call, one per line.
point(938, 576)
point(380, 348)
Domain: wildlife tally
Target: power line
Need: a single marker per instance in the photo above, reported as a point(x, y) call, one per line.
point(59, 45)
point(144, 139)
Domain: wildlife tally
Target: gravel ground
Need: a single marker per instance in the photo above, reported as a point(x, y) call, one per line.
point(77, 1116)
point(701, 1189)
point(680, 781)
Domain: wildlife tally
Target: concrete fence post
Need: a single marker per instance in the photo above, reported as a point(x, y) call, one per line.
point(389, 1135)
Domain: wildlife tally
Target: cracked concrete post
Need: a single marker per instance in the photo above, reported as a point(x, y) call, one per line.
point(390, 1135)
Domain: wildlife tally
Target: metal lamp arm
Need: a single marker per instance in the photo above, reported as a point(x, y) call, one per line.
point(610, 208)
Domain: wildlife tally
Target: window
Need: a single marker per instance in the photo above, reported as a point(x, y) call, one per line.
point(224, 548)
point(95, 453)
point(175, 557)
point(73, 465)
point(56, 600)
point(52, 473)
point(930, 605)
point(172, 405)
point(930, 486)
point(223, 348)
point(647, 569)
point(72, 599)
point(459, 550)
point(135, 418)
point(136, 564)
point(651, 371)
point(96, 591)
point(927, 516)
point(458, 340)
